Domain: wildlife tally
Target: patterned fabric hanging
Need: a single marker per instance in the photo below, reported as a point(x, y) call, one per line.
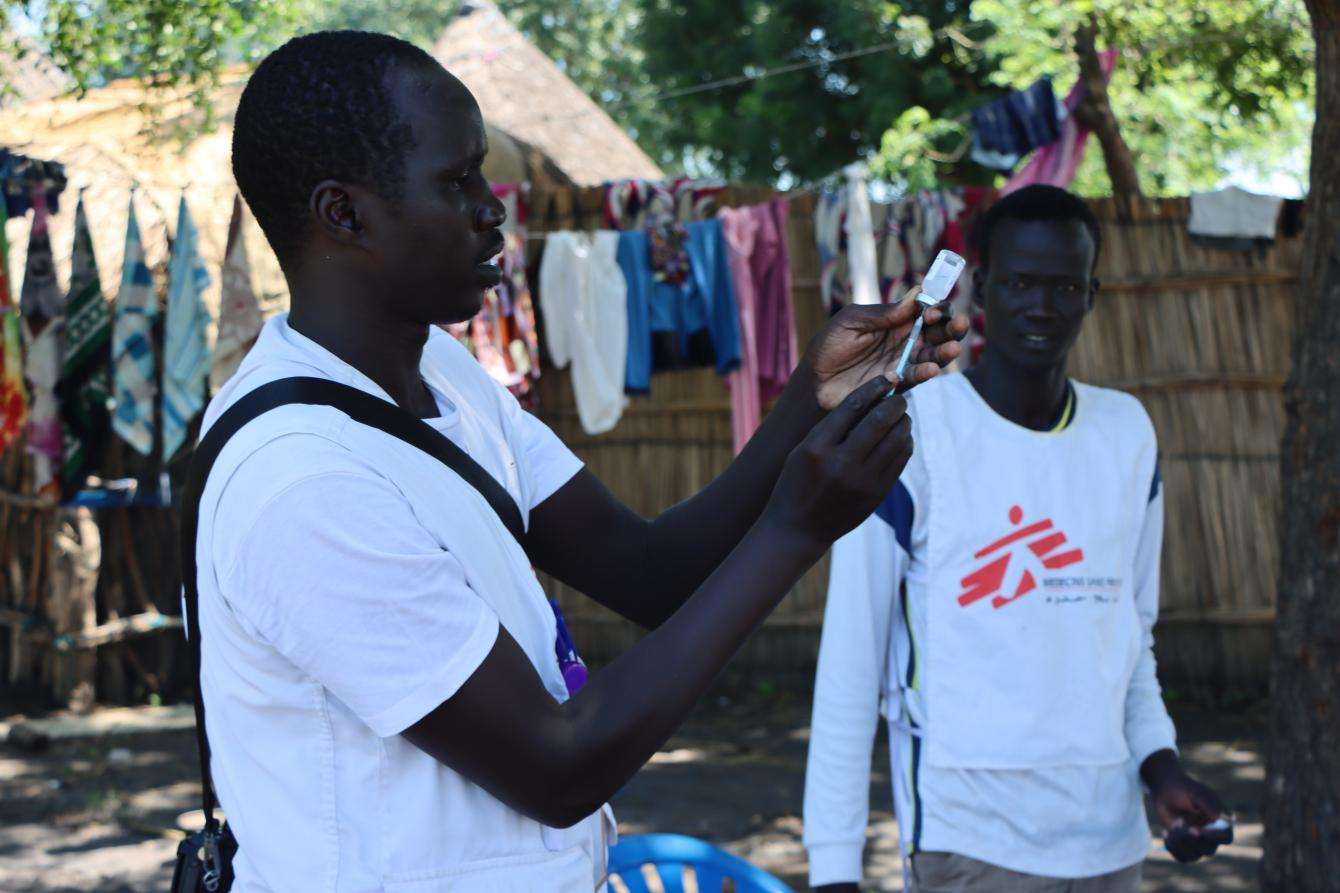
point(42, 304)
point(42, 368)
point(186, 356)
point(240, 318)
point(85, 386)
point(13, 395)
point(133, 367)
point(41, 298)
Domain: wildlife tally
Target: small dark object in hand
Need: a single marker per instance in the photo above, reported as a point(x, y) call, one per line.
point(1187, 847)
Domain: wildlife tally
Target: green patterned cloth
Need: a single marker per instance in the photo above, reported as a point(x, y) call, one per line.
point(85, 384)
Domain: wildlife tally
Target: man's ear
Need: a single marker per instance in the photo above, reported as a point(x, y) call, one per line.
point(334, 209)
point(1094, 285)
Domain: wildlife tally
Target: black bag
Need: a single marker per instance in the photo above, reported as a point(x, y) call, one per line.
point(205, 858)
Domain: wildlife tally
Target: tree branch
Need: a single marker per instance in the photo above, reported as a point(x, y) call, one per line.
point(1095, 112)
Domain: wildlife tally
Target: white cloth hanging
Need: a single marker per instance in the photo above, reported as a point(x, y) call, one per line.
point(1234, 213)
point(585, 301)
point(861, 266)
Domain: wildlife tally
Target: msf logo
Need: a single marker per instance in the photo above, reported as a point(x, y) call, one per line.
point(1010, 576)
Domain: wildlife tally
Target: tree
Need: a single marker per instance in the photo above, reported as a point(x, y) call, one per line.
point(1201, 86)
point(1302, 809)
point(837, 75)
point(164, 42)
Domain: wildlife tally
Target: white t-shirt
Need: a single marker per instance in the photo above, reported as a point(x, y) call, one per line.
point(349, 584)
point(1053, 802)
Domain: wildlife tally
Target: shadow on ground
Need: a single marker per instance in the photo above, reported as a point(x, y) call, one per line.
point(101, 815)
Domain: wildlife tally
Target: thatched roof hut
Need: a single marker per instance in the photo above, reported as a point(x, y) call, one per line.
point(125, 134)
point(28, 74)
point(524, 93)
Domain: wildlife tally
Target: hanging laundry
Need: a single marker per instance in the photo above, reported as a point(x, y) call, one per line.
point(41, 298)
point(586, 325)
point(829, 216)
point(85, 384)
point(662, 209)
point(738, 228)
point(22, 177)
point(638, 285)
point(913, 234)
point(710, 297)
point(185, 350)
point(1055, 164)
point(42, 368)
point(625, 204)
point(13, 395)
point(240, 317)
point(692, 324)
point(860, 238)
point(133, 371)
point(775, 314)
point(628, 204)
point(1233, 213)
point(667, 239)
point(1007, 129)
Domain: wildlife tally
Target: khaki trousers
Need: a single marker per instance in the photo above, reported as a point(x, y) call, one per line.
point(952, 873)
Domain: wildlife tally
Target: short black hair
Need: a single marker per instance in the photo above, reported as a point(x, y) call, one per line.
point(1036, 202)
point(320, 107)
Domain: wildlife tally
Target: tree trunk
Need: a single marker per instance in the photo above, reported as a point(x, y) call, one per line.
point(1095, 113)
point(1302, 808)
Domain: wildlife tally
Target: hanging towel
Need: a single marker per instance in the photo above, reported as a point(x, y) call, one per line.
point(632, 254)
point(585, 308)
point(239, 313)
point(1007, 129)
point(13, 395)
point(860, 239)
point(738, 228)
point(1234, 213)
point(85, 384)
point(42, 369)
point(133, 375)
point(41, 298)
point(829, 215)
point(775, 314)
point(185, 350)
point(1056, 163)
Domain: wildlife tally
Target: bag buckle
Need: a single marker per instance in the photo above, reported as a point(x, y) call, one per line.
point(213, 863)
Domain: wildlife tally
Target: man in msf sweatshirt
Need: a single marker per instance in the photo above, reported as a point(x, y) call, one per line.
point(998, 608)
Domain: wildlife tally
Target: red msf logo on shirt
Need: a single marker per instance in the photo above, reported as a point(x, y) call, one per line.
point(1042, 543)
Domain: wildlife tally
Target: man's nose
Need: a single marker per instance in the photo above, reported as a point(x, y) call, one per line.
point(490, 215)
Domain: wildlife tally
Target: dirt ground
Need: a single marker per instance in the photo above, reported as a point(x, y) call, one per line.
point(99, 815)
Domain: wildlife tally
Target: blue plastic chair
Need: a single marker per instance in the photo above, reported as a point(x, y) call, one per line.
point(670, 854)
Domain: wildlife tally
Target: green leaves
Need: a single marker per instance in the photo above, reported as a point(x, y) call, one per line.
point(1201, 88)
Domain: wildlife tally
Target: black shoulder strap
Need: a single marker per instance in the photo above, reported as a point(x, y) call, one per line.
point(363, 408)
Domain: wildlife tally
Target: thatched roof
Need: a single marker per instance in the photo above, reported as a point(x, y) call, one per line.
point(29, 75)
point(523, 92)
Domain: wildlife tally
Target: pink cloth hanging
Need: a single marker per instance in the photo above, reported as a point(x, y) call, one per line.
point(1055, 164)
point(775, 314)
point(738, 227)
